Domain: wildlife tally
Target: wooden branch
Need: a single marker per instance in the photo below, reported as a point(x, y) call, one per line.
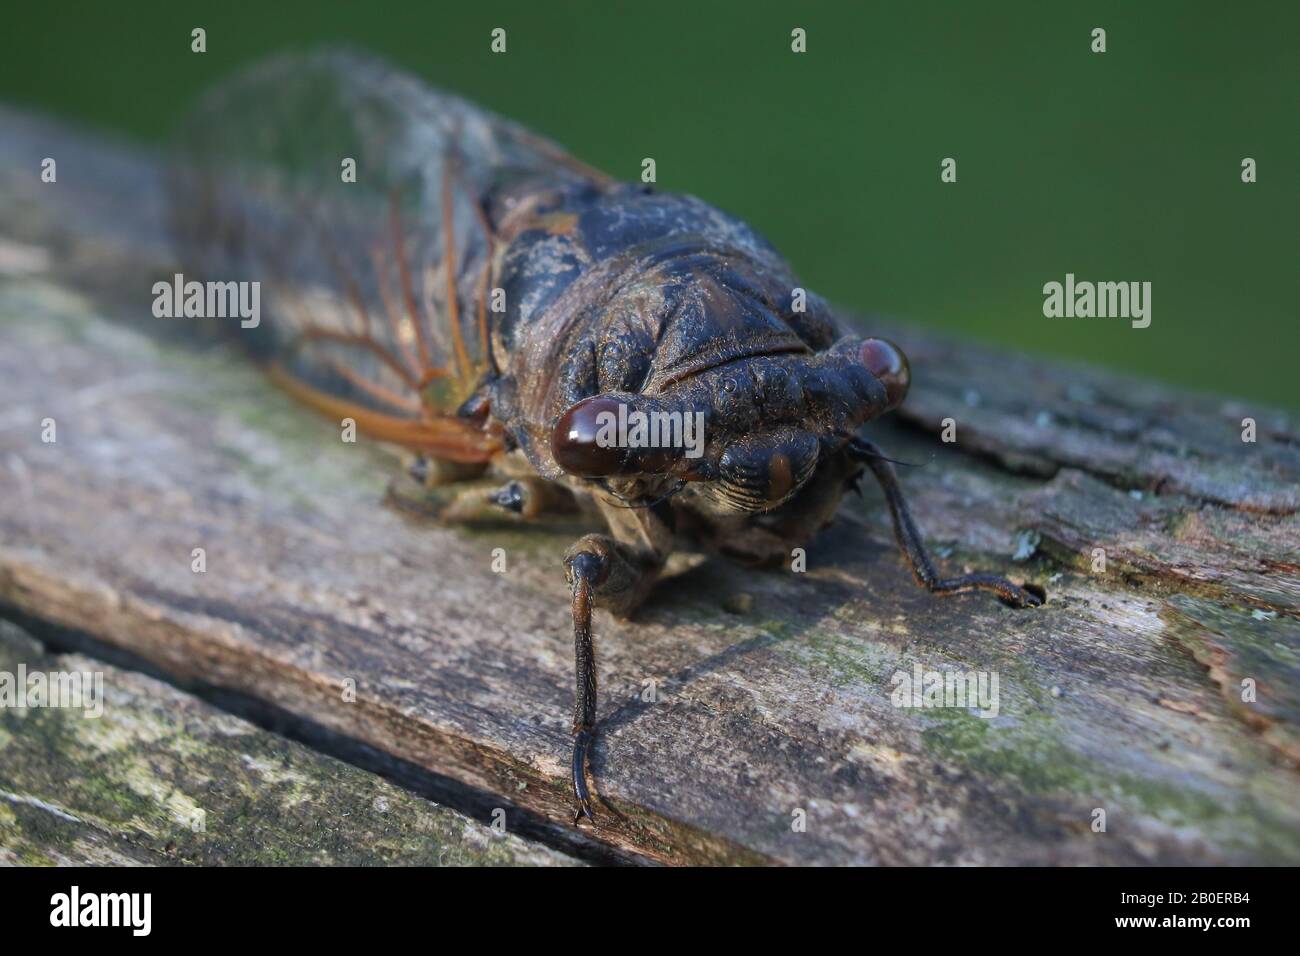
point(772, 690)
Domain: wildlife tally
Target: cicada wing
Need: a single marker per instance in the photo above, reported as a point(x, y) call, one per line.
point(354, 194)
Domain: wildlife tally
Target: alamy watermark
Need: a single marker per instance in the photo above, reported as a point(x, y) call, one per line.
point(1102, 300)
point(75, 690)
point(653, 429)
point(977, 690)
point(75, 908)
point(208, 300)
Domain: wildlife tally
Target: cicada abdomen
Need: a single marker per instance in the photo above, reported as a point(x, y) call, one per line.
point(356, 195)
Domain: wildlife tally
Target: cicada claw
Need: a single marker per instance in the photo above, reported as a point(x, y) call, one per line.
point(580, 744)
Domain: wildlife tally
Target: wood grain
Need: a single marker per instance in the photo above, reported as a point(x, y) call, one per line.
point(1122, 694)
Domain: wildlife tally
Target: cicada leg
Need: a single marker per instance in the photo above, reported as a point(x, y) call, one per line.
point(430, 472)
point(529, 498)
point(453, 493)
point(615, 573)
point(909, 539)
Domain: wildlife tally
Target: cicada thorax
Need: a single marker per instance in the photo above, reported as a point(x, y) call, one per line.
point(358, 199)
point(638, 293)
point(678, 324)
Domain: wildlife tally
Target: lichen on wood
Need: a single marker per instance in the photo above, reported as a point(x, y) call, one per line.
point(162, 778)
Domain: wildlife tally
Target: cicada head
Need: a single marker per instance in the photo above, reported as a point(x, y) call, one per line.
point(747, 435)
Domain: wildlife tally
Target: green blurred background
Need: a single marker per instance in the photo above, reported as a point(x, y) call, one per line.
point(1120, 166)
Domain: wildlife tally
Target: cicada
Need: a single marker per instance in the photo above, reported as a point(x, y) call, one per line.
point(464, 288)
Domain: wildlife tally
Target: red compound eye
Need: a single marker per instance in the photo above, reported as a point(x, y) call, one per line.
point(887, 362)
point(574, 441)
point(605, 435)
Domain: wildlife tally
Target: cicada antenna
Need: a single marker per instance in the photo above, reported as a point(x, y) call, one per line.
point(861, 448)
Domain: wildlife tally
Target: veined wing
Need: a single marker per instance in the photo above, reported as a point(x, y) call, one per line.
point(375, 287)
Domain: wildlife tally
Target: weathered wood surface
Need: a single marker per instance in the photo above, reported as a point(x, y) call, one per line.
point(162, 778)
point(1123, 693)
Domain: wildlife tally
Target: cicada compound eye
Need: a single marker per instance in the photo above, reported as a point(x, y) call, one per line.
point(578, 441)
point(888, 364)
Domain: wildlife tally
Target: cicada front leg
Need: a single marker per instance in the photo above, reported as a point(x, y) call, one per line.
point(614, 573)
point(909, 540)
